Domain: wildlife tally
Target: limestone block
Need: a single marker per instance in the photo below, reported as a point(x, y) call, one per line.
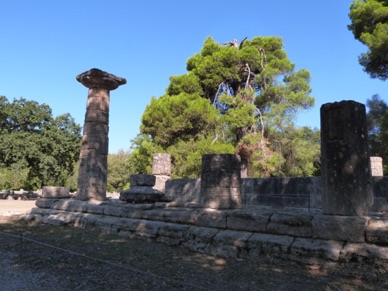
point(183, 190)
point(95, 209)
point(248, 220)
point(215, 162)
point(220, 198)
point(111, 210)
point(173, 230)
point(97, 116)
point(232, 237)
point(312, 251)
point(211, 218)
point(346, 174)
point(141, 194)
point(181, 216)
point(96, 128)
point(377, 231)
point(160, 182)
point(371, 253)
point(340, 228)
point(45, 203)
point(376, 165)
point(161, 164)
point(55, 192)
point(261, 244)
point(295, 224)
point(222, 178)
point(142, 180)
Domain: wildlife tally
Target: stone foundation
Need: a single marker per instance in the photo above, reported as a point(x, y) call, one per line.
point(299, 235)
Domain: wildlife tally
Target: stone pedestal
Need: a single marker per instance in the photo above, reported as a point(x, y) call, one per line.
point(376, 165)
point(161, 169)
point(92, 175)
point(141, 190)
point(220, 181)
point(346, 174)
point(55, 192)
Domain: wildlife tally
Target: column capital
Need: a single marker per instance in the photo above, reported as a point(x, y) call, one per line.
point(95, 78)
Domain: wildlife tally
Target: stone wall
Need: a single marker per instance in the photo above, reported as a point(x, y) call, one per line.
point(303, 236)
point(304, 192)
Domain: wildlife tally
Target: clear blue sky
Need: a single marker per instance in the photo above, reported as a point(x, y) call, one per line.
point(45, 44)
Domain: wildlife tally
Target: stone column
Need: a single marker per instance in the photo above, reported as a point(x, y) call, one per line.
point(92, 175)
point(161, 168)
point(346, 174)
point(376, 165)
point(221, 181)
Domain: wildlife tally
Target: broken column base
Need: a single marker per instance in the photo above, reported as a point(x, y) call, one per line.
point(141, 194)
point(141, 190)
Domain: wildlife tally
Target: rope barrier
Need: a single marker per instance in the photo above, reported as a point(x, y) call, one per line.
point(21, 237)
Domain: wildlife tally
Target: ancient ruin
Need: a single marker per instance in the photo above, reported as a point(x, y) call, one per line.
point(92, 175)
point(327, 221)
point(376, 165)
point(220, 181)
point(345, 162)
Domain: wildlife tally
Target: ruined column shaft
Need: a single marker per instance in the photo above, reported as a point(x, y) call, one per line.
point(93, 168)
point(92, 176)
point(345, 164)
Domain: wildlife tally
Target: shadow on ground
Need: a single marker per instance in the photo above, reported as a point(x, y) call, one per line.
point(66, 258)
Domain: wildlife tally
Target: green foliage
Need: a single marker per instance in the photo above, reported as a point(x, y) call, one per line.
point(118, 171)
point(370, 26)
point(240, 98)
point(173, 118)
point(36, 144)
point(187, 156)
point(377, 117)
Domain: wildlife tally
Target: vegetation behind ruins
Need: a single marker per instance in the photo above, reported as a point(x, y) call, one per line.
point(238, 98)
point(36, 149)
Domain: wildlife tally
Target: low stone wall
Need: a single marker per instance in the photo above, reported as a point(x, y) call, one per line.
point(304, 192)
point(253, 234)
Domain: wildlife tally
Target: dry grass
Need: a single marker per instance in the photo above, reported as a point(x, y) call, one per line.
point(85, 259)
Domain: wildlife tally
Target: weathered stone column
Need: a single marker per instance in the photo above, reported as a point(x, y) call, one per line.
point(376, 165)
point(92, 175)
point(345, 163)
point(161, 168)
point(221, 181)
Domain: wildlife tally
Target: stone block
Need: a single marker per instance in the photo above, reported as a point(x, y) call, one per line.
point(340, 228)
point(248, 220)
point(294, 224)
point(215, 162)
point(261, 244)
point(141, 194)
point(346, 173)
point(97, 116)
point(183, 190)
point(45, 203)
point(55, 192)
point(314, 251)
point(161, 164)
point(222, 178)
point(211, 218)
point(185, 216)
point(160, 182)
point(377, 231)
point(220, 198)
point(231, 237)
point(173, 230)
point(142, 180)
point(361, 252)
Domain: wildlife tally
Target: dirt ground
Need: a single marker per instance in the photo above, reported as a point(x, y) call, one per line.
point(11, 207)
point(35, 256)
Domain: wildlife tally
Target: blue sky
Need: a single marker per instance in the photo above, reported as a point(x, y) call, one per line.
point(45, 44)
